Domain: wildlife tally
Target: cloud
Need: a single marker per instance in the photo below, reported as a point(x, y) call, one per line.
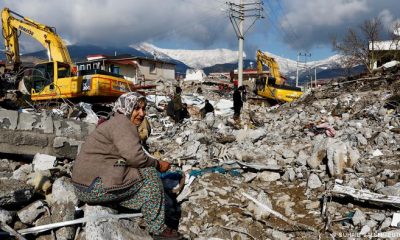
point(195, 24)
point(308, 24)
point(125, 22)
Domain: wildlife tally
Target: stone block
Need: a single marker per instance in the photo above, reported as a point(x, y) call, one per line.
point(14, 192)
point(43, 162)
point(29, 213)
point(26, 121)
point(8, 119)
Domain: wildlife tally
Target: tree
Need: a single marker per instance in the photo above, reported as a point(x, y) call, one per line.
point(355, 46)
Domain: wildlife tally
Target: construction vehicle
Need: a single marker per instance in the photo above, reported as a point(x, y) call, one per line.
point(273, 87)
point(57, 78)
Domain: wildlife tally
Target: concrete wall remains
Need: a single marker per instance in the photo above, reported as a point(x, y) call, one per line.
point(31, 133)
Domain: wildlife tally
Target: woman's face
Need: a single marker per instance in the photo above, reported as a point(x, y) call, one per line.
point(138, 113)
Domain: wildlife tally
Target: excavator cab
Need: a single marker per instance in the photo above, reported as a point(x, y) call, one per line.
point(273, 87)
point(44, 75)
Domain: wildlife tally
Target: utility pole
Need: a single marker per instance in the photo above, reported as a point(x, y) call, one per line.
point(315, 76)
point(297, 70)
point(237, 15)
point(305, 55)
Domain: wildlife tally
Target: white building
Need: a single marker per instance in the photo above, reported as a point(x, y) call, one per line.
point(195, 75)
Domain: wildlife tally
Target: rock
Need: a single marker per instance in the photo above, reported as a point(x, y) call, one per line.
point(259, 212)
point(354, 156)
point(248, 177)
point(377, 153)
point(361, 140)
point(319, 151)
point(63, 191)
point(312, 205)
point(6, 216)
point(112, 228)
point(287, 153)
point(22, 172)
point(250, 135)
point(301, 159)
point(14, 192)
point(378, 216)
point(267, 176)
point(43, 162)
point(314, 181)
point(61, 213)
point(386, 223)
point(29, 213)
point(358, 217)
point(365, 230)
point(390, 191)
point(278, 235)
point(291, 174)
point(337, 158)
point(371, 223)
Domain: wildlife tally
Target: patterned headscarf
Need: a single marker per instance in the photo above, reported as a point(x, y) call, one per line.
point(126, 103)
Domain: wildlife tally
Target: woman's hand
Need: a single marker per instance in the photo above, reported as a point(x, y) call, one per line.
point(163, 166)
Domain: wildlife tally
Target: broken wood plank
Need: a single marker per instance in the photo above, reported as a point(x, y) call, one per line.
point(105, 217)
point(365, 196)
point(280, 216)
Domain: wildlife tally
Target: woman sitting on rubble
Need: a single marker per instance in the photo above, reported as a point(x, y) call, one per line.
point(113, 168)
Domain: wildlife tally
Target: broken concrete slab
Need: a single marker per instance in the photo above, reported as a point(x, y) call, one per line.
point(8, 119)
point(29, 213)
point(42, 162)
point(112, 228)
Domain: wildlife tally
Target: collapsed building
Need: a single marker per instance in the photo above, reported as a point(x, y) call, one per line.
point(324, 166)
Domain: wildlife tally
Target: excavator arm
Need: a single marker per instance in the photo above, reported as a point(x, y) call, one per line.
point(13, 23)
point(263, 59)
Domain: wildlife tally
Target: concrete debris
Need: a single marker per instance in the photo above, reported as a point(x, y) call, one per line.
point(324, 166)
point(42, 162)
point(366, 196)
point(29, 213)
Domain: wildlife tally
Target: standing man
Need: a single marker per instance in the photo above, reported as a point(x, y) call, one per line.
point(178, 106)
point(237, 103)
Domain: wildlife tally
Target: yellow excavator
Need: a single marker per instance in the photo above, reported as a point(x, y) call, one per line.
point(57, 78)
point(273, 87)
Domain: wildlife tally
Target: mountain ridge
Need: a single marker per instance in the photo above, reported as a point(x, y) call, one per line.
point(216, 60)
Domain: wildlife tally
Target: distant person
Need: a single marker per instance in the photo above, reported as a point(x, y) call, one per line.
point(184, 113)
point(178, 105)
point(237, 103)
point(208, 107)
point(243, 93)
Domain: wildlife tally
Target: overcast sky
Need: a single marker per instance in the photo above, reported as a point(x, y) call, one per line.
point(289, 26)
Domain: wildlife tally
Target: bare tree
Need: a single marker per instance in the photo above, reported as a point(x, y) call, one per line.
point(359, 45)
point(394, 34)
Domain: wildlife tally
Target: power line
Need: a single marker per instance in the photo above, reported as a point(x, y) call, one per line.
point(237, 15)
point(287, 20)
point(291, 35)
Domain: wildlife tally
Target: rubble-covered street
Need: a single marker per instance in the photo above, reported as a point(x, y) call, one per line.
point(323, 167)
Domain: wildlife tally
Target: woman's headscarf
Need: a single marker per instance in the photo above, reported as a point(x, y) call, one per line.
point(126, 103)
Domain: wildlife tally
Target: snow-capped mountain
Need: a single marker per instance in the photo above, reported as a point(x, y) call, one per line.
point(201, 59)
point(193, 58)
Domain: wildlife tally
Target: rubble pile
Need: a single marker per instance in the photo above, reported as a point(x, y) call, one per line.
point(290, 158)
point(325, 166)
